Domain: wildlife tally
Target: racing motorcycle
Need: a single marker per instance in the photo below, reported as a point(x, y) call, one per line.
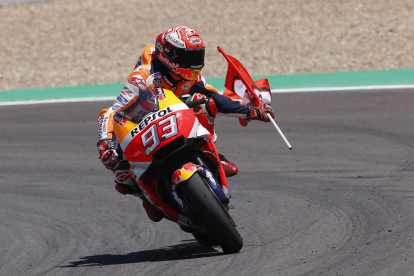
point(175, 165)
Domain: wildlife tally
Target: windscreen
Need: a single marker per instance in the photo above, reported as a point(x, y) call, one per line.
point(147, 102)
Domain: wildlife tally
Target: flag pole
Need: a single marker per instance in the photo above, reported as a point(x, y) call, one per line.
point(250, 90)
point(280, 132)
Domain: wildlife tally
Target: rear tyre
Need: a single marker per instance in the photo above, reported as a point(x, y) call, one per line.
point(211, 213)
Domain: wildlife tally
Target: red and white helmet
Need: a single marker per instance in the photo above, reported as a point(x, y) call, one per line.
point(181, 50)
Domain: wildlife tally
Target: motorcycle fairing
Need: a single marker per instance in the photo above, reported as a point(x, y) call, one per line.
point(160, 130)
point(156, 129)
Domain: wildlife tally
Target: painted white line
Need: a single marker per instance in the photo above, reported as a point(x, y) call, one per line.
point(351, 88)
point(74, 100)
point(293, 90)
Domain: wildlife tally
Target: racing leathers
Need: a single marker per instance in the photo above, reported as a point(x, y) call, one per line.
point(149, 74)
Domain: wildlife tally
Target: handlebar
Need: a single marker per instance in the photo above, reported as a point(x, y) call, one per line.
point(191, 104)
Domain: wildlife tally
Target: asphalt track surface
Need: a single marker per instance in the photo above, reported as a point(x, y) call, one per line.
point(340, 203)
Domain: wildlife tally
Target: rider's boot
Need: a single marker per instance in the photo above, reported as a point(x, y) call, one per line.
point(123, 179)
point(125, 185)
point(229, 168)
point(153, 213)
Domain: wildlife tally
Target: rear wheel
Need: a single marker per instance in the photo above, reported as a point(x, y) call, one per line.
point(212, 214)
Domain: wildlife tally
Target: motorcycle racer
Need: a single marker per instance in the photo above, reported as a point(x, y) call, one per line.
point(173, 63)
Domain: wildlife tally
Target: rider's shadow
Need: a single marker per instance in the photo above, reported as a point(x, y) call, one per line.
point(189, 250)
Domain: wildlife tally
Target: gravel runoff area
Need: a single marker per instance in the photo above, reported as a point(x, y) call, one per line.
point(78, 42)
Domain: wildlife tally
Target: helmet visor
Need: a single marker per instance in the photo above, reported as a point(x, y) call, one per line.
point(190, 58)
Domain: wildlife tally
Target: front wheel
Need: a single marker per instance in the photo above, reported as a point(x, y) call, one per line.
point(211, 213)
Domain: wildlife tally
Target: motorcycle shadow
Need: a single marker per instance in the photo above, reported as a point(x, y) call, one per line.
point(189, 250)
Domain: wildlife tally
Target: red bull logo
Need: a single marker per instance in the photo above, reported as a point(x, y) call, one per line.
point(190, 167)
point(184, 173)
point(185, 73)
point(177, 177)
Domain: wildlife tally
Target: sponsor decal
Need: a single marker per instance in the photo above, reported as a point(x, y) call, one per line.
point(139, 81)
point(211, 178)
point(154, 79)
point(198, 96)
point(185, 173)
point(177, 177)
point(122, 176)
point(195, 41)
point(156, 75)
point(161, 95)
point(102, 125)
point(119, 120)
point(186, 86)
point(185, 73)
point(167, 80)
point(159, 47)
point(174, 192)
point(148, 119)
point(190, 167)
point(127, 92)
point(101, 121)
point(172, 66)
point(105, 123)
point(157, 82)
point(122, 99)
point(175, 41)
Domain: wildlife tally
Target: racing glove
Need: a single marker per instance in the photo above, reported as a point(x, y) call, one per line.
point(108, 154)
point(210, 106)
point(260, 112)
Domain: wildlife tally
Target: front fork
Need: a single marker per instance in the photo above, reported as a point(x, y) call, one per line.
point(211, 151)
point(189, 169)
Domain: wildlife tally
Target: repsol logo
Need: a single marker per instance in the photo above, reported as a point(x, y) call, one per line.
point(148, 119)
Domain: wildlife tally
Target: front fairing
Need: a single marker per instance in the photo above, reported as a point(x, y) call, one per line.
point(139, 141)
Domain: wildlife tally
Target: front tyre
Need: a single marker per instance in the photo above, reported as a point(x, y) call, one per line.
point(211, 213)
